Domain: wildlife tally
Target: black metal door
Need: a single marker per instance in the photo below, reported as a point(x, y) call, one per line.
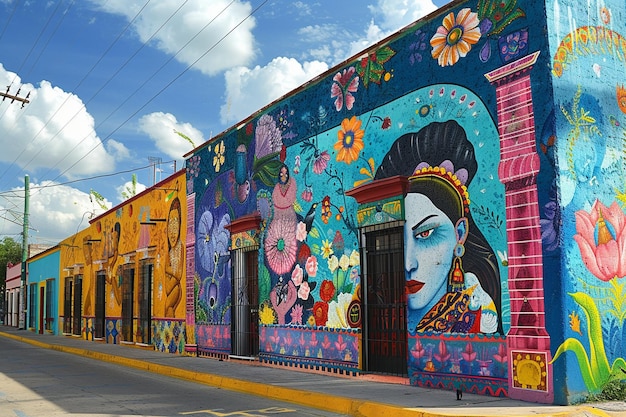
point(245, 329)
point(67, 306)
point(128, 283)
point(385, 303)
point(145, 303)
point(78, 305)
point(98, 325)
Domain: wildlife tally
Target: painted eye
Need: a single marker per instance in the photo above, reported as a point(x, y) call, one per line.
point(425, 234)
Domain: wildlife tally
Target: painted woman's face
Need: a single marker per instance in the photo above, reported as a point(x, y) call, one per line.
point(173, 227)
point(283, 175)
point(429, 238)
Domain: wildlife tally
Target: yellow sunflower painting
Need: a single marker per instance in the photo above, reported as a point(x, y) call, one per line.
point(350, 140)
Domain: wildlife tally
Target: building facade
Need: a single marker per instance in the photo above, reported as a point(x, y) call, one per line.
point(42, 315)
point(12, 295)
point(410, 211)
point(123, 277)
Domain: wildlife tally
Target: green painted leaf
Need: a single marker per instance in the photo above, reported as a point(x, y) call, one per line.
point(574, 346)
point(598, 359)
point(264, 283)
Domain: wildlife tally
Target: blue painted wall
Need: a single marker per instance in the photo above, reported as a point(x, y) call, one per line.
point(42, 269)
point(585, 144)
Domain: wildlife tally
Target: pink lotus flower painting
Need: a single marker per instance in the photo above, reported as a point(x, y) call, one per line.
point(602, 241)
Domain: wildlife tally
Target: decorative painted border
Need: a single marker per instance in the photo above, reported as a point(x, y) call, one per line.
point(474, 363)
point(316, 348)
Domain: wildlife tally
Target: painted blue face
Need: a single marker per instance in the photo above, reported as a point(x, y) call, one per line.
point(429, 240)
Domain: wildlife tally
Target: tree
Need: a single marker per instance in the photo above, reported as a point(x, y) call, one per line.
point(10, 252)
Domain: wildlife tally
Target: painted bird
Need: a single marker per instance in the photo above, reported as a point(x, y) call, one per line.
point(310, 216)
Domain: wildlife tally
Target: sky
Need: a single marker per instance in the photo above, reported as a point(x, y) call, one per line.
point(110, 82)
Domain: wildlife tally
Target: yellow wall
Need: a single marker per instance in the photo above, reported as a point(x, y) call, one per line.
point(134, 230)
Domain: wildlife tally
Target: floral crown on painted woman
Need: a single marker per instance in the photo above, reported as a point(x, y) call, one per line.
point(446, 174)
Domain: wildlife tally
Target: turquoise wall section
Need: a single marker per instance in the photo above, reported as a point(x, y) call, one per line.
point(586, 144)
point(45, 269)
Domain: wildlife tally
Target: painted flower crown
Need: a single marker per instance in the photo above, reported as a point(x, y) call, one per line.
point(445, 172)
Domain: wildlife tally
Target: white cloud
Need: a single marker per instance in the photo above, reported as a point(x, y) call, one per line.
point(395, 14)
point(55, 212)
point(248, 90)
point(227, 41)
point(334, 44)
point(118, 150)
point(125, 190)
point(54, 131)
point(161, 127)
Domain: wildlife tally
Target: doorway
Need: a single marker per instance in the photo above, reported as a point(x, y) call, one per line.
point(98, 325)
point(42, 295)
point(77, 305)
point(144, 335)
point(128, 297)
point(385, 329)
point(245, 329)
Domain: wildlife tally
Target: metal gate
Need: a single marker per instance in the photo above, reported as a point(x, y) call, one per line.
point(78, 305)
point(144, 335)
point(98, 325)
point(128, 285)
point(245, 328)
point(384, 302)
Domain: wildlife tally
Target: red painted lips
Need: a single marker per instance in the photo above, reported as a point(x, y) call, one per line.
point(413, 286)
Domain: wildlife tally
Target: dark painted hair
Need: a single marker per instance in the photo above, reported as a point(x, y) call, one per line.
point(433, 144)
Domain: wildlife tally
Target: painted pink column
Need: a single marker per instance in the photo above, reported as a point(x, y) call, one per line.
point(528, 341)
point(190, 248)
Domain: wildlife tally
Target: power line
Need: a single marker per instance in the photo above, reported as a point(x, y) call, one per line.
point(119, 36)
point(108, 137)
point(102, 88)
point(158, 93)
point(32, 48)
point(9, 19)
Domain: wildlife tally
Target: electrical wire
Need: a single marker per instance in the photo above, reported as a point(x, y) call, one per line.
point(4, 29)
point(110, 47)
point(32, 49)
point(98, 92)
point(108, 137)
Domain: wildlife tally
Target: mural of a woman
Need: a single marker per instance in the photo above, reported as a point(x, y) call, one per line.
point(453, 280)
point(281, 243)
point(174, 268)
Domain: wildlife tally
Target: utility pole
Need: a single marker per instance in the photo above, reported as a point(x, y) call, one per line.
point(23, 309)
point(154, 161)
point(16, 96)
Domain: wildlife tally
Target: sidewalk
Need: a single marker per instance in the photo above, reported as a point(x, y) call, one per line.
point(358, 396)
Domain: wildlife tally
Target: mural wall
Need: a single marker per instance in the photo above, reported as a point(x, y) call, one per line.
point(586, 142)
point(457, 112)
point(123, 277)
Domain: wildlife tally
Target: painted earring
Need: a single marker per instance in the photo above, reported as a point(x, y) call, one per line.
point(456, 280)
